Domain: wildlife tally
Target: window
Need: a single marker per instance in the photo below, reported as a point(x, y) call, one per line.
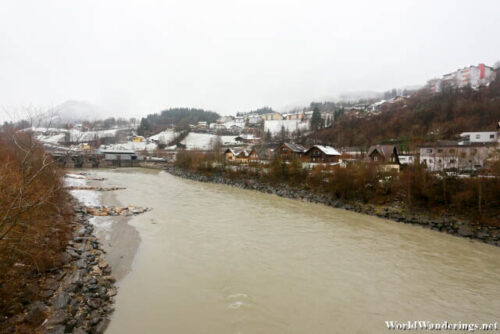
point(452, 161)
point(429, 150)
point(440, 150)
point(452, 151)
point(478, 136)
point(492, 136)
point(375, 158)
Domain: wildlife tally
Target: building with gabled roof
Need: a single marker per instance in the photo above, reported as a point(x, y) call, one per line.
point(384, 155)
point(289, 151)
point(321, 154)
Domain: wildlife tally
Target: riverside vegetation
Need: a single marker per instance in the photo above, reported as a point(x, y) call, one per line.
point(468, 207)
point(53, 277)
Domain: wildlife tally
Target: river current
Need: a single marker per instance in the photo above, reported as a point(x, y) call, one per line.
point(216, 259)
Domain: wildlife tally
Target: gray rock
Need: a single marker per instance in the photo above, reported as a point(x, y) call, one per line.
point(81, 264)
point(94, 303)
point(57, 317)
point(95, 317)
point(36, 313)
point(79, 330)
point(51, 284)
point(46, 293)
point(102, 325)
point(465, 231)
point(61, 300)
point(59, 329)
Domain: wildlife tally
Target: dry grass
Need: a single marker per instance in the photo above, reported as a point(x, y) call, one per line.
point(35, 216)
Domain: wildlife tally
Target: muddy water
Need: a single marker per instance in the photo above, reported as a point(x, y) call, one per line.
point(213, 259)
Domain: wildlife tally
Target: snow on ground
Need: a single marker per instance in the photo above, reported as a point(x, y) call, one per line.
point(103, 225)
point(290, 125)
point(53, 139)
point(75, 176)
point(54, 135)
point(165, 137)
point(86, 197)
point(130, 146)
point(203, 141)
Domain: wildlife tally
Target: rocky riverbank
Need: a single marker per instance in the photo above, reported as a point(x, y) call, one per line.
point(448, 224)
point(77, 298)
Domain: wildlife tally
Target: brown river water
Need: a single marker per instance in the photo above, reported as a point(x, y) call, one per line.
point(215, 259)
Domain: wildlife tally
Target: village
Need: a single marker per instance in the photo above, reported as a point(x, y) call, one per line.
point(471, 152)
point(249, 166)
point(256, 137)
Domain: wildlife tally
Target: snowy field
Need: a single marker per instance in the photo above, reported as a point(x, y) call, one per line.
point(165, 137)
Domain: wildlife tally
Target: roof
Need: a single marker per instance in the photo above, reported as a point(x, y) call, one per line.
point(328, 150)
point(295, 147)
point(239, 152)
point(384, 150)
point(107, 151)
point(441, 143)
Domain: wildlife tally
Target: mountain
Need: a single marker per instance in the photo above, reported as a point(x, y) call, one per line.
point(73, 111)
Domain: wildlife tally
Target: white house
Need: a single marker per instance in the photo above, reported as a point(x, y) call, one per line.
point(479, 137)
point(406, 159)
point(444, 155)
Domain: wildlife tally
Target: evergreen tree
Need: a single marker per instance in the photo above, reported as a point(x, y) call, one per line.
point(316, 119)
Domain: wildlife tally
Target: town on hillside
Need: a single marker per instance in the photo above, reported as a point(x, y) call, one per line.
point(260, 135)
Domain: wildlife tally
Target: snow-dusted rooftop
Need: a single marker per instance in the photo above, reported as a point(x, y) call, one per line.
point(328, 150)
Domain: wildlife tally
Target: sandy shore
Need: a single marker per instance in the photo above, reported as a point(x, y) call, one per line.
point(119, 240)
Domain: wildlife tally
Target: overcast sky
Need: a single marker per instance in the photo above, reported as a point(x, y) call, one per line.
point(134, 57)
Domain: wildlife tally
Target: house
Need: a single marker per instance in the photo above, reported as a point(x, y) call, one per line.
point(472, 76)
point(240, 156)
point(202, 125)
point(479, 137)
point(321, 154)
point(406, 159)
point(138, 139)
point(289, 151)
point(451, 155)
point(272, 116)
point(120, 158)
point(385, 155)
point(253, 155)
point(247, 138)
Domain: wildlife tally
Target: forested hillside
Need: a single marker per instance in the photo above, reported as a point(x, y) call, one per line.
point(422, 117)
point(178, 117)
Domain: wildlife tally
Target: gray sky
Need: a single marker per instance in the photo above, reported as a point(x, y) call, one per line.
point(134, 57)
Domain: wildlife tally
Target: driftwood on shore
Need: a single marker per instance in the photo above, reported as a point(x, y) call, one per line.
point(113, 210)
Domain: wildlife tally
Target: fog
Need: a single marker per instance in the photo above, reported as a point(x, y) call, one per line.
point(134, 57)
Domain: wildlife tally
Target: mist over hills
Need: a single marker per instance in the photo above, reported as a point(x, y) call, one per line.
point(73, 111)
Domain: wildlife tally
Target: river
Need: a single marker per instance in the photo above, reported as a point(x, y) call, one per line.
point(216, 259)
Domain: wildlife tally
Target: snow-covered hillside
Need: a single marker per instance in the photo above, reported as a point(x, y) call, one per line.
point(54, 135)
point(165, 137)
